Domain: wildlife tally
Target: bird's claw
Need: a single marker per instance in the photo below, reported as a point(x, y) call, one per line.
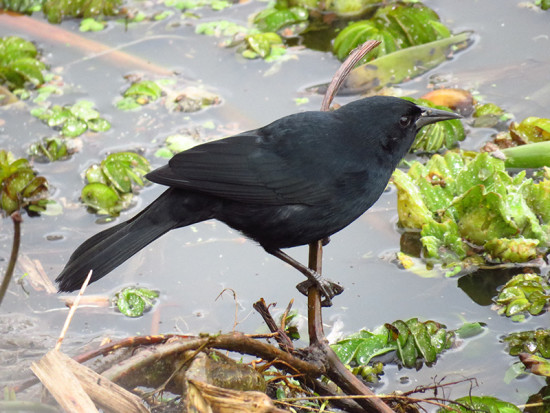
point(327, 288)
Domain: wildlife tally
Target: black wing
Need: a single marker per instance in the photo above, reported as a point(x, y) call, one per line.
point(270, 166)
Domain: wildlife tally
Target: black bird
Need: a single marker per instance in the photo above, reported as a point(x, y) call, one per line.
point(295, 181)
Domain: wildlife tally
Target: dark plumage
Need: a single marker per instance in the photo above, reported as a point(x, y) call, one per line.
point(297, 180)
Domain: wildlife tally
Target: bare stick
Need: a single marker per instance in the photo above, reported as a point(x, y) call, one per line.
point(336, 371)
point(16, 218)
point(72, 311)
point(354, 57)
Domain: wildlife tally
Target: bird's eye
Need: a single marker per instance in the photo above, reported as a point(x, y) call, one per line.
point(405, 121)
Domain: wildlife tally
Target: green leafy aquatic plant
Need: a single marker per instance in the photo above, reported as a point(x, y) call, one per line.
point(253, 43)
point(19, 64)
point(21, 6)
point(110, 184)
point(486, 404)
point(403, 64)
point(466, 206)
point(51, 149)
point(534, 342)
point(412, 340)
point(176, 143)
point(343, 8)
point(20, 187)
point(57, 10)
point(133, 302)
point(269, 46)
point(138, 94)
point(73, 120)
point(195, 4)
point(440, 135)
point(523, 293)
point(279, 16)
point(396, 26)
point(532, 348)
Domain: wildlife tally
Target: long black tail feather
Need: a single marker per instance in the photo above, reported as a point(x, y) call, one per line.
point(108, 249)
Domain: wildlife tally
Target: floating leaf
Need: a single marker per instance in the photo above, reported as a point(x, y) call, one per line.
point(110, 184)
point(56, 10)
point(132, 302)
point(273, 19)
point(18, 63)
point(524, 292)
point(411, 340)
point(19, 185)
point(100, 197)
point(91, 25)
point(360, 347)
point(403, 64)
point(74, 120)
point(457, 198)
point(536, 365)
point(261, 44)
point(535, 342)
point(396, 26)
point(74, 127)
point(84, 110)
point(50, 149)
point(487, 404)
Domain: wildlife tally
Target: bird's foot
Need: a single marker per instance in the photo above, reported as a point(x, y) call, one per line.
point(327, 288)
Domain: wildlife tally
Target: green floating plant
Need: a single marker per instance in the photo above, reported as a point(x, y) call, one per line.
point(254, 44)
point(279, 16)
point(535, 342)
point(269, 46)
point(396, 26)
point(19, 64)
point(110, 184)
point(532, 348)
point(467, 206)
point(188, 99)
point(216, 5)
point(91, 25)
point(404, 64)
point(175, 144)
point(220, 28)
point(50, 149)
point(139, 94)
point(523, 293)
point(21, 6)
point(56, 10)
point(524, 145)
point(440, 135)
point(486, 404)
point(489, 115)
point(344, 8)
point(133, 302)
point(20, 187)
point(412, 340)
point(73, 120)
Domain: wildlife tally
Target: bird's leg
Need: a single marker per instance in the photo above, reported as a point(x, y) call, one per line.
point(328, 288)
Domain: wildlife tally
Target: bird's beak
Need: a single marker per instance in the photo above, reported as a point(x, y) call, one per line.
point(431, 115)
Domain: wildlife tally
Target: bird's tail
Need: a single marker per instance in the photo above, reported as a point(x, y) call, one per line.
point(108, 249)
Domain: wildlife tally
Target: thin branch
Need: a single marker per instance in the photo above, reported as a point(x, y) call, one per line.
point(16, 218)
point(336, 370)
point(354, 57)
point(72, 311)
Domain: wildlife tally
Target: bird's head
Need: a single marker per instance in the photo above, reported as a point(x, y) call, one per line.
point(393, 123)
